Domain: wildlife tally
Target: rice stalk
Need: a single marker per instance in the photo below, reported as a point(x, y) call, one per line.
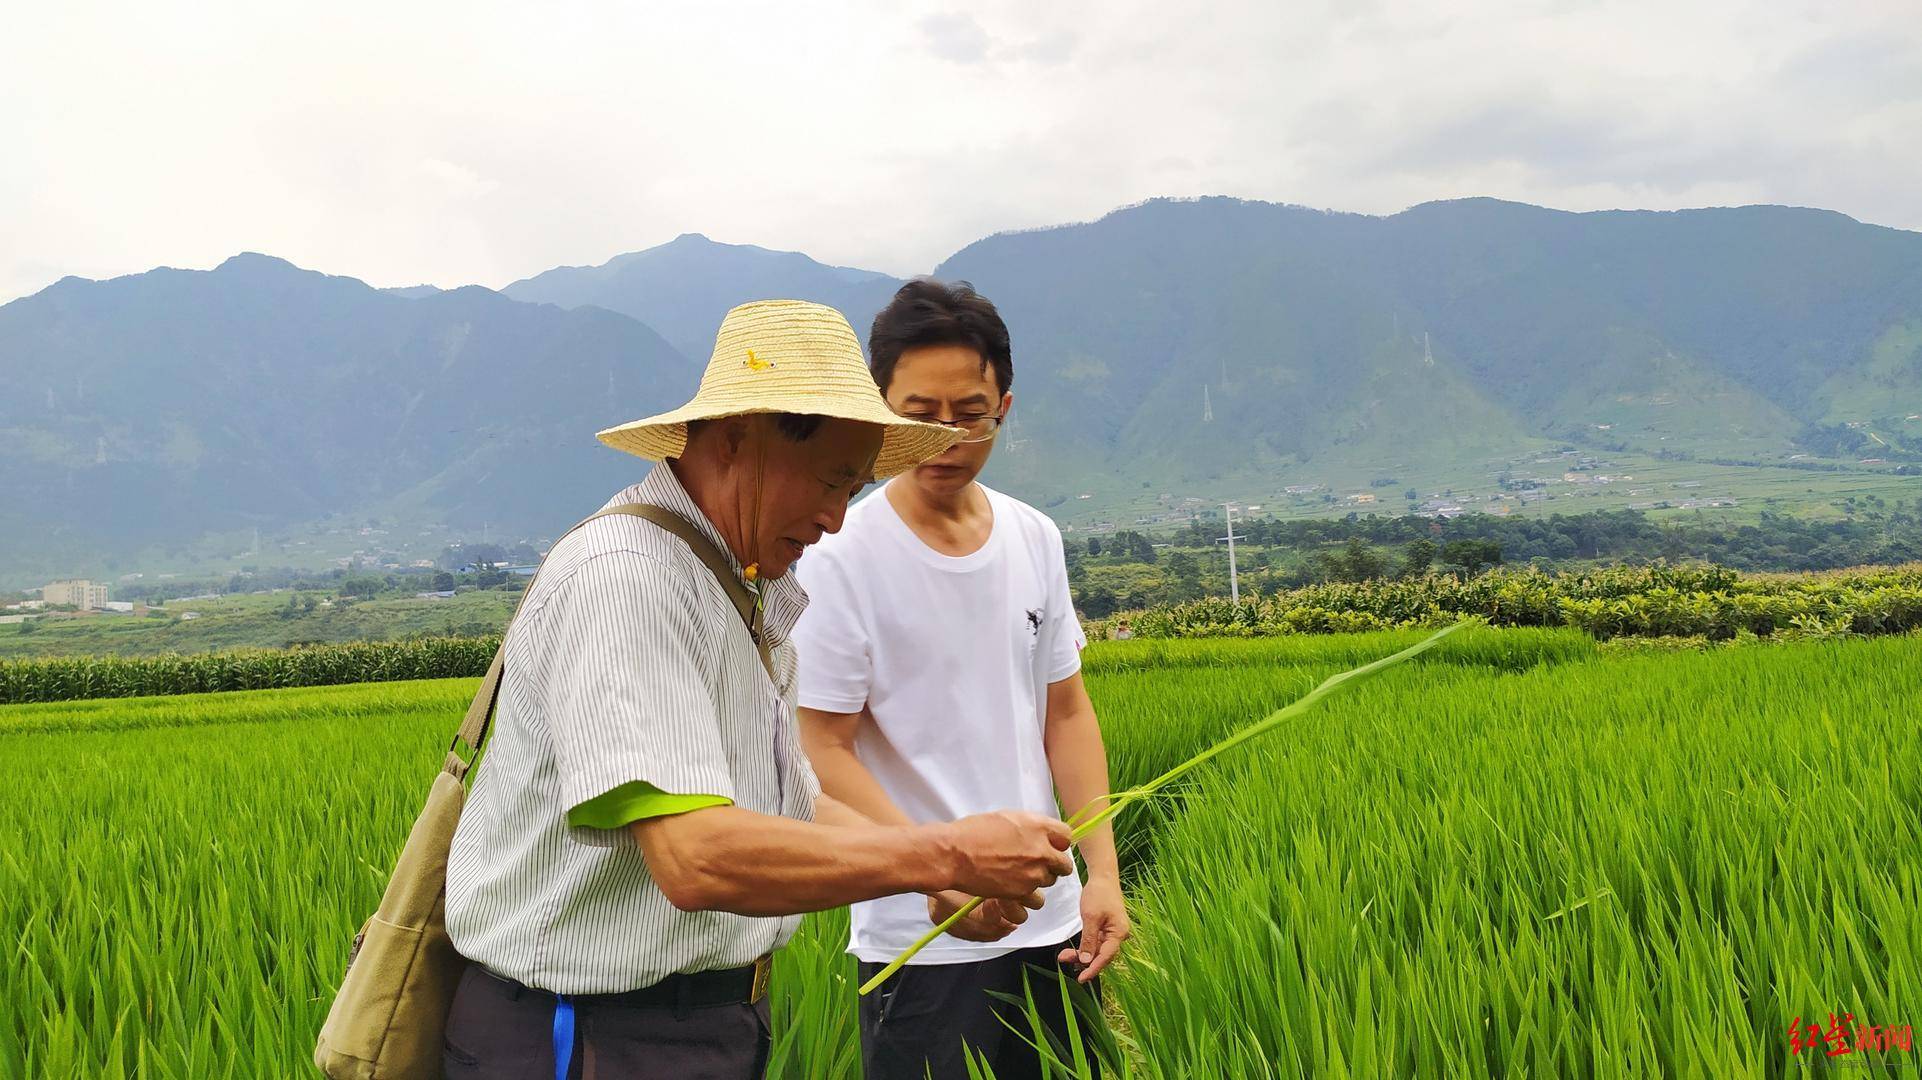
point(1084, 822)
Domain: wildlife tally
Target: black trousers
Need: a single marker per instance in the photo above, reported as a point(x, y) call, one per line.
point(914, 1025)
point(497, 1031)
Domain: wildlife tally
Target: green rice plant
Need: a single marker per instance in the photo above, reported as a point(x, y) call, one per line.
point(1088, 818)
point(426, 701)
point(177, 894)
point(1644, 866)
point(1512, 856)
point(1509, 650)
point(814, 978)
point(1162, 700)
point(1090, 1042)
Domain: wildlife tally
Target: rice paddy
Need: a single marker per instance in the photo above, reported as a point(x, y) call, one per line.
point(1513, 856)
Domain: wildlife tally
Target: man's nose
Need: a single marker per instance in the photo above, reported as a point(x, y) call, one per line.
point(831, 516)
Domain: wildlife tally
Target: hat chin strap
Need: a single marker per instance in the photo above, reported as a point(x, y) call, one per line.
point(760, 428)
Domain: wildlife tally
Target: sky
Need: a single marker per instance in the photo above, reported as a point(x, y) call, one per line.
point(477, 142)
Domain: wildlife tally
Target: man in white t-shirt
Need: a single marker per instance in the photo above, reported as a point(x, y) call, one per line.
point(940, 676)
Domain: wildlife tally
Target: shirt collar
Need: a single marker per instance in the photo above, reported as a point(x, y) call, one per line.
point(782, 599)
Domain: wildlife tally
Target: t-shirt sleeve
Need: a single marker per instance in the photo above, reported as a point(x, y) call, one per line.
point(629, 693)
point(1066, 639)
point(836, 665)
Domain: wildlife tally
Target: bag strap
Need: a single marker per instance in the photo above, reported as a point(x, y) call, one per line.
point(480, 712)
point(745, 602)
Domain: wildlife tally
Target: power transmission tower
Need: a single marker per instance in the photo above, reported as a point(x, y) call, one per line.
point(1207, 406)
point(1234, 577)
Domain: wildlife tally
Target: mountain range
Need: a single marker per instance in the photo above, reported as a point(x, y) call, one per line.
point(1173, 346)
point(683, 288)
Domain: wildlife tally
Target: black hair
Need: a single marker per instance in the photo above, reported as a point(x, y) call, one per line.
point(929, 312)
point(798, 427)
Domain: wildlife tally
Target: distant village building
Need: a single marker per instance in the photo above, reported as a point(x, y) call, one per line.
point(525, 570)
point(78, 592)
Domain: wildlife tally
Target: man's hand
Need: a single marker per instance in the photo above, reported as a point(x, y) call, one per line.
point(992, 921)
point(1007, 854)
point(1104, 926)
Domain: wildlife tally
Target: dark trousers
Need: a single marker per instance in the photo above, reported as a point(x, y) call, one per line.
point(499, 1031)
point(914, 1025)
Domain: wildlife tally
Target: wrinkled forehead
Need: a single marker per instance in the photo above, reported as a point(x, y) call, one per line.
point(844, 450)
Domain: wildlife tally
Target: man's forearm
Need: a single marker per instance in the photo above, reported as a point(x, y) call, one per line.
point(1079, 761)
point(844, 781)
point(844, 777)
point(728, 859)
point(829, 810)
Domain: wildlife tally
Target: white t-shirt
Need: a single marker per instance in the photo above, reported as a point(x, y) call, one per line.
point(953, 656)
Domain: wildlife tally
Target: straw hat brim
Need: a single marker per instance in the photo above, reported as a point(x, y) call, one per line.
point(904, 443)
point(786, 356)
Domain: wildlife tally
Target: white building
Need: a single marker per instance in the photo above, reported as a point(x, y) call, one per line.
point(78, 592)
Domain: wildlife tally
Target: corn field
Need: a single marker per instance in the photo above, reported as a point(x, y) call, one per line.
point(1513, 856)
point(83, 677)
point(1706, 602)
point(1655, 601)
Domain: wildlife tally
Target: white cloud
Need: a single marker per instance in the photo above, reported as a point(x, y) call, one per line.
point(476, 141)
point(957, 37)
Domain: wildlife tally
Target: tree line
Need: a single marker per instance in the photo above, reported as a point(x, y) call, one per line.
point(1130, 569)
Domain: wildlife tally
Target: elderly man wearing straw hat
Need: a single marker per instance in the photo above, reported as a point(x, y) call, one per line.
point(645, 827)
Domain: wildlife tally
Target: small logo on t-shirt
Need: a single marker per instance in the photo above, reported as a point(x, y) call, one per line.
point(1034, 620)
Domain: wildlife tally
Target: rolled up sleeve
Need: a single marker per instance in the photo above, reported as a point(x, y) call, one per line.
point(629, 683)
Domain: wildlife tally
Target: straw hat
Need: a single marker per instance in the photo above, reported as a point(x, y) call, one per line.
point(786, 356)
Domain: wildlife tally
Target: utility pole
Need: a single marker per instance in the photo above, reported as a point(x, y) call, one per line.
point(1234, 578)
point(1207, 406)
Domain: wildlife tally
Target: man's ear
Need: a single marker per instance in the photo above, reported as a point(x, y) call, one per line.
point(730, 435)
point(1007, 402)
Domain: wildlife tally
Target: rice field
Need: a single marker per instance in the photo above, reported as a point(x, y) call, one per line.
point(1514, 856)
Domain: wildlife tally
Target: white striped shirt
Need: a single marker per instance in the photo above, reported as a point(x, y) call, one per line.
point(627, 662)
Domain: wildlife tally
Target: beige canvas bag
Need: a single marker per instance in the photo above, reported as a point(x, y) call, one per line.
point(388, 1019)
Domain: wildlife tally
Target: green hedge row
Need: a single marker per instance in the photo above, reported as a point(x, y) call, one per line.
point(1657, 601)
point(1654, 601)
point(77, 678)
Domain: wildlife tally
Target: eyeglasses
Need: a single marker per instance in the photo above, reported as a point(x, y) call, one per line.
point(973, 428)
